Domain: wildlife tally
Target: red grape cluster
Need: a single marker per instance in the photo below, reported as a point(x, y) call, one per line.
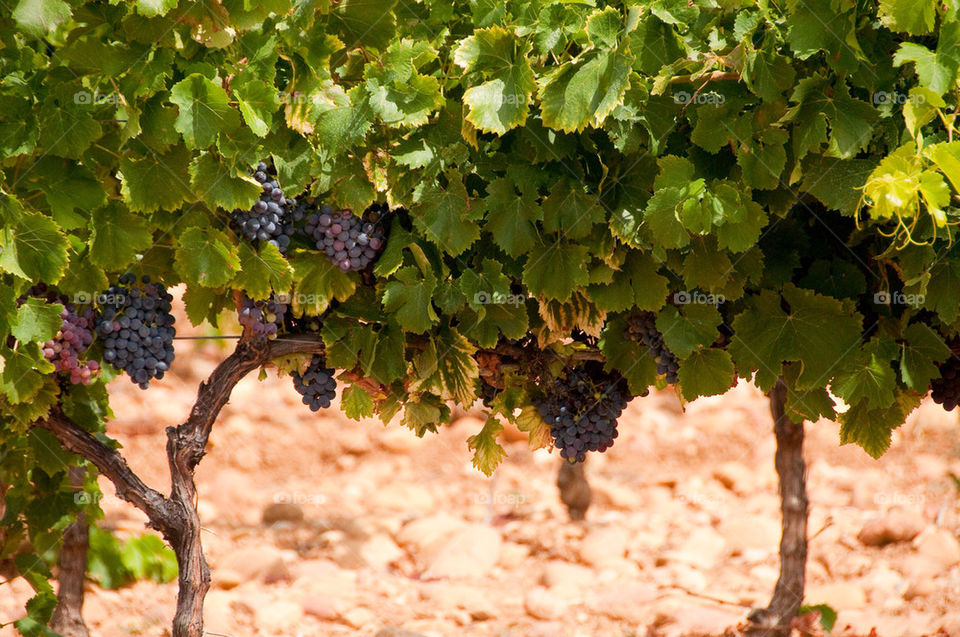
point(262, 318)
point(71, 341)
point(351, 242)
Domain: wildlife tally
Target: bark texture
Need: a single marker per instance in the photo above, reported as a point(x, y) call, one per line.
point(72, 571)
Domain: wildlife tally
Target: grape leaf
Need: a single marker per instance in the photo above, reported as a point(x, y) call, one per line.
point(116, 236)
point(37, 321)
point(636, 284)
point(65, 131)
point(258, 102)
point(68, 186)
point(356, 403)
point(205, 257)
point(217, 181)
point(205, 111)
point(457, 366)
point(263, 271)
point(913, 16)
point(318, 282)
point(943, 290)
point(705, 372)
point(689, 327)
point(867, 376)
point(936, 71)
point(817, 331)
point(871, 428)
point(922, 349)
point(32, 246)
point(584, 91)
point(510, 217)
point(487, 452)
point(556, 270)
point(443, 215)
point(156, 181)
point(628, 357)
point(408, 297)
point(40, 17)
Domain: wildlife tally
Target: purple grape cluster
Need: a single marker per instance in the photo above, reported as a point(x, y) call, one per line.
point(642, 327)
point(351, 242)
point(582, 408)
point(72, 339)
point(262, 318)
point(136, 327)
point(317, 384)
point(272, 216)
point(946, 389)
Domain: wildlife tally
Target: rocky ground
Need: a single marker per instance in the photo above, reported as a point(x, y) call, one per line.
point(316, 525)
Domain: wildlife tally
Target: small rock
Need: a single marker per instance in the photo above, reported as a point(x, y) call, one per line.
point(542, 604)
point(396, 631)
point(358, 617)
point(449, 597)
point(921, 587)
point(566, 577)
point(429, 531)
point(513, 555)
point(700, 620)
point(736, 477)
point(399, 440)
point(278, 616)
point(889, 529)
point(839, 595)
point(380, 551)
point(324, 607)
point(402, 496)
point(743, 534)
point(225, 578)
point(325, 578)
point(604, 544)
point(354, 440)
point(472, 551)
point(217, 615)
point(615, 495)
point(630, 603)
point(282, 512)
point(939, 544)
point(950, 623)
point(264, 562)
point(703, 548)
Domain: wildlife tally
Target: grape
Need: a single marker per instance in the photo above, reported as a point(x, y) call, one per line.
point(316, 384)
point(643, 327)
point(582, 408)
point(73, 338)
point(351, 242)
point(271, 217)
point(946, 389)
point(263, 318)
point(137, 326)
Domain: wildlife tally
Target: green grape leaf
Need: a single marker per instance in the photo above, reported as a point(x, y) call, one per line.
point(444, 216)
point(806, 404)
point(37, 321)
point(943, 290)
point(205, 111)
point(154, 8)
point(584, 91)
point(627, 356)
point(356, 403)
point(922, 349)
point(423, 415)
point(705, 266)
point(32, 246)
point(258, 101)
point(937, 70)
point(837, 182)
point(156, 181)
point(457, 366)
point(819, 103)
point(502, 100)
point(763, 160)
point(217, 181)
point(636, 284)
point(705, 372)
point(510, 217)
point(871, 428)
point(205, 257)
point(262, 271)
point(556, 270)
point(318, 282)
point(116, 236)
point(487, 452)
point(818, 331)
point(68, 186)
point(868, 376)
point(22, 376)
point(40, 17)
point(688, 327)
point(409, 299)
point(916, 17)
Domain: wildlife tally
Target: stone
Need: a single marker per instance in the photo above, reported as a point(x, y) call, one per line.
point(839, 595)
point(277, 616)
point(890, 529)
point(566, 577)
point(542, 604)
point(628, 602)
point(282, 512)
point(217, 615)
point(258, 563)
point(324, 577)
point(604, 544)
point(701, 620)
point(513, 555)
point(473, 551)
point(614, 495)
point(430, 531)
point(449, 597)
point(380, 551)
point(396, 631)
point(402, 496)
point(744, 534)
point(225, 578)
point(921, 587)
point(702, 548)
point(324, 607)
point(399, 440)
point(358, 617)
point(939, 544)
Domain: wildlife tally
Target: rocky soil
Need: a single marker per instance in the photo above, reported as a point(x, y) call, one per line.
point(316, 525)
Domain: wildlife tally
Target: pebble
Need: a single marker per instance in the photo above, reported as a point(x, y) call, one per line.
point(358, 617)
point(542, 604)
point(939, 544)
point(604, 544)
point(282, 512)
point(890, 529)
point(263, 562)
point(278, 616)
point(627, 602)
point(471, 552)
point(839, 595)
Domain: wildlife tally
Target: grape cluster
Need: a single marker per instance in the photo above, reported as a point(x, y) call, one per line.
point(272, 216)
point(262, 318)
point(946, 389)
point(72, 340)
point(582, 408)
point(349, 241)
point(316, 384)
point(136, 326)
point(643, 327)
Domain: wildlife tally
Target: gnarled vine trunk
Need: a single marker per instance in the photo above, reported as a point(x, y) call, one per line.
point(72, 570)
point(775, 619)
